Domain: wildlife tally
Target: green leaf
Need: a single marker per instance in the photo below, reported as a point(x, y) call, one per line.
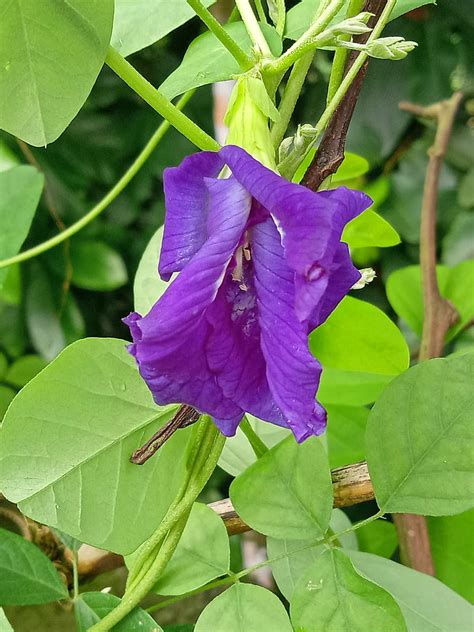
point(3, 365)
point(379, 538)
point(20, 191)
point(6, 397)
point(370, 230)
point(42, 85)
point(244, 608)
point(8, 158)
point(66, 443)
point(148, 286)
point(360, 349)
point(28, 577)
point(418, 439)
point(299, 18)
point(207, 60)
point(43, 318)
point(96, 266)
point(287, 493)
point(427, 604)
point(238, 454)
point(332, 596)
point(12, 329)
point(140, 23)
point(353, 166)
point(455, 284)
point(453, 553)
point(293, 557)
point(466, 190)
point(91, 607)
point(4, 623)
point(202, 554)
point(458, 244)
point(345, 434)
point(10, 291)
point(24, 369)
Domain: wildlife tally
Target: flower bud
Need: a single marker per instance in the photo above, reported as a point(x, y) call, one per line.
point(390, 48)
point(247, 116)
point(353, 26)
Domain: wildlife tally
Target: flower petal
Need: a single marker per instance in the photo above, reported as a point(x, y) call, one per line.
point(186, 197)
point(293, 373)
point(170, 341)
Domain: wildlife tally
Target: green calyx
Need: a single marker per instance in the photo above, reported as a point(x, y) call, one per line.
point(247, 118)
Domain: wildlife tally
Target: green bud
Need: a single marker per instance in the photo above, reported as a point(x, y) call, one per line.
point(353, 26)
point(390, 48)
point(247, 117)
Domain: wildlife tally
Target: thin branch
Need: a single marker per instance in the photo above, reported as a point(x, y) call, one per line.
point(439, 314)
point(330, 152)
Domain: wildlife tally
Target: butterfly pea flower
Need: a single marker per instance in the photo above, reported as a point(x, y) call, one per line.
point(260, 265)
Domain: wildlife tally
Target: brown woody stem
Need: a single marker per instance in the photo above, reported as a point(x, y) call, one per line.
point(439, 314)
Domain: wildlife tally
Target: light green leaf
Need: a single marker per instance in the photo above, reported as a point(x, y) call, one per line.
point(20, 190)
point(370, 230)
point(287, 493)
point(360, 349)
point(300, 17)
point(426, 603)
point(202, 554)
point(4, 623)
point(140, 23)
point(91, 607)
point(332, 596)
point(96, 266)
point(345, 434)
point(353, 166)
point(66, 443)
point(419, 439)
point(238, 454)
point(453, 553)
point(293, 557)
point(42, 86)
point(6, 397)
point(379, 538)
point(28, 577)
point(456, 284)
point(24, 369)
point(148, 286)
point(244, 608)
point(207, 60)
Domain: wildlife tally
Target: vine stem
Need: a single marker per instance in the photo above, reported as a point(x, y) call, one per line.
point(205, 457)
point(159, 102)
point(439, 314)
point(105, 201)
point(244, 60)
point(253, 27)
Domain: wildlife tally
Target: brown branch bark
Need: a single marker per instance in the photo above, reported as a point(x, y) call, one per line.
point(330, 152)
point(439, 314)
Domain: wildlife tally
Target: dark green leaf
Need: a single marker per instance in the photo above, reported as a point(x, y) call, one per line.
point(332, 596)
point(139, 23)
point(207, 60)
point(96, 266)
point(458, 244)
point(24, 369)
point(91, 607)
point(66, 442)
point(379, 537)
point(419, 437)
point(20, 190)
point(244, 608)
point(42, 85)
point(28, 577)
point(453, 553)
point(287, 493)
point(6, 396)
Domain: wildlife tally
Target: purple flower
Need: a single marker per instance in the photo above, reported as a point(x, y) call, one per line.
point(261, 265)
